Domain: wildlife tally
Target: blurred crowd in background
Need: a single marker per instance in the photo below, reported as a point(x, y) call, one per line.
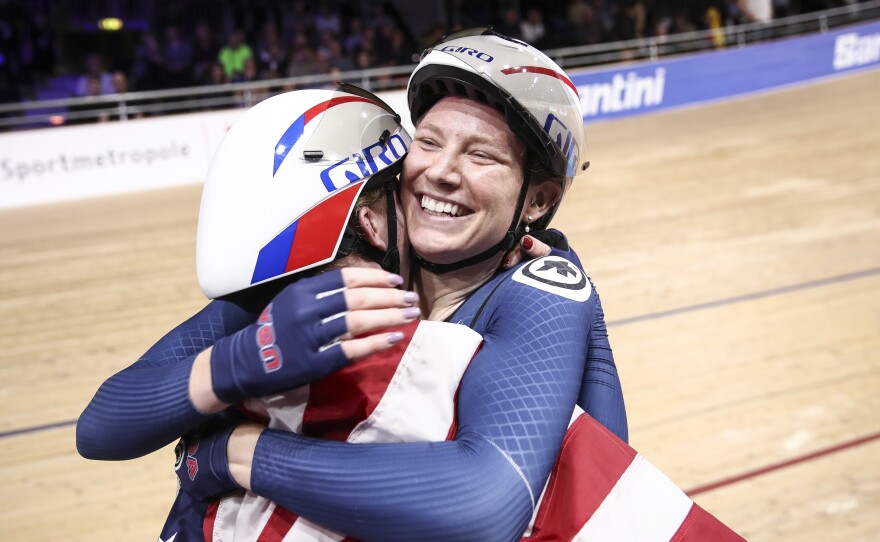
point(202, 42)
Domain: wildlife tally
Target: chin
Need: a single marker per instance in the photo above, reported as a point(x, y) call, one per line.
point(446, 251)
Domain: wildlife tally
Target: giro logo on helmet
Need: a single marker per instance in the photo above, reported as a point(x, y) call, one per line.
point(364, 163)
point(485, 57)
point(565, 140)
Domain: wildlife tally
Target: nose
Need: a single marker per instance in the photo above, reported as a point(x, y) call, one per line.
point(445, 169)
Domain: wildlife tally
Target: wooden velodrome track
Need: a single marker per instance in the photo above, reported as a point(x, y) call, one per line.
point(736, 247)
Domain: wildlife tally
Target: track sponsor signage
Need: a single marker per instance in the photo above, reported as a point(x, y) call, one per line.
point(65, 163)
point(704, 77)
point(73, 162)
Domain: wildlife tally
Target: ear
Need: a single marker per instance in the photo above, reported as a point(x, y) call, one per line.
point(540, 198)
point(374, 227)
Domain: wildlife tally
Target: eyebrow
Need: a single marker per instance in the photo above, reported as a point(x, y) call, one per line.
point(480, 138)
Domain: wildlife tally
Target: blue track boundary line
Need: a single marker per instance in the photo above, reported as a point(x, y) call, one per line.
point(836, 279)
point(846, 277)
point(36, 428)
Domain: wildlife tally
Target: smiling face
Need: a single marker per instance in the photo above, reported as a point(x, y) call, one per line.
point(461, 180)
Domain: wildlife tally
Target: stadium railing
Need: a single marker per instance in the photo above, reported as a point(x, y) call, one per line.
point(126, 106)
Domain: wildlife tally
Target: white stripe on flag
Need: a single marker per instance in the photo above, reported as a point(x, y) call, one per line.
point(304, 530)
point(418, 405)
point(660, 505)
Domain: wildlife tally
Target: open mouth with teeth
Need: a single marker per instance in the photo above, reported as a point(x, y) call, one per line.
point(441, 208)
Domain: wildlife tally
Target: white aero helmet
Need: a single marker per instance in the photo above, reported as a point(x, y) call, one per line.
point(283, 183)
point(539, 101)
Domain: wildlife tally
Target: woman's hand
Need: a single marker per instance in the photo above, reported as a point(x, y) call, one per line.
point(216, 458)
point(529, 248)
point(312, 328)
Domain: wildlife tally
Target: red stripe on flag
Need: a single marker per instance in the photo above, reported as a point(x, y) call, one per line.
point(590, 459)
point(210, 518)
point(278, 525)
point(340, 401)
point(701, 525)
point(318, 230)
point(542, 71)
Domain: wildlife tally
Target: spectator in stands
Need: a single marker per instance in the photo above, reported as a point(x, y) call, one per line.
point(120, 82)
point(378, 18)
point(433, 36)
point(630, 21)
point(509, 23)
point(43, 44)
point(604, 11)
point(323, 62)
point(120, 86)
point(204, 53)
point(354, 38)
point(302, 58)
point(661, 35)
point(363, 59)
point(178, 56)
point(149, 64)
point(681, 23)
point(216, 74)
point(295, 20)
point(333, 48)
point(95, 74)
point(759, 12)
point(272, 60)
point(92, 87)
point(585, 27)
point(532, 27)
point(327, 21)
point(234, 55)
point(384, 54)
point(369, 41)
point(401, 50)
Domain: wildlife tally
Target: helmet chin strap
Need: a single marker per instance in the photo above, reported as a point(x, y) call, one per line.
point(510, 239)
point(391, 259)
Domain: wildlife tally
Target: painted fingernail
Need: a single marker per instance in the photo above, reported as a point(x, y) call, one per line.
point(527, 242)
point(395, 279)
point(411, 297)
point(411, 312)
point(394, 337)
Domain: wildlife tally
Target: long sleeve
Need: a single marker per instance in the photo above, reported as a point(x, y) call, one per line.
point(515, 402)
point(146, 405)
point(601, 394)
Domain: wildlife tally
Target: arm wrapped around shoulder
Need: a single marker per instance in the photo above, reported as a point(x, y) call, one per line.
point(293, 342)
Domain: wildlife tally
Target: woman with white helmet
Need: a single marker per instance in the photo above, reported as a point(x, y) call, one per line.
point(540, 322)
point(493, 151)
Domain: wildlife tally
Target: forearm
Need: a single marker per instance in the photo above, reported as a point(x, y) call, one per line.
point(150, 403)
point(137, 411)
point(458, 490)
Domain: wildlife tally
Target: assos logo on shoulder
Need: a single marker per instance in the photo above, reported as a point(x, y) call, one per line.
point(485, 57)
